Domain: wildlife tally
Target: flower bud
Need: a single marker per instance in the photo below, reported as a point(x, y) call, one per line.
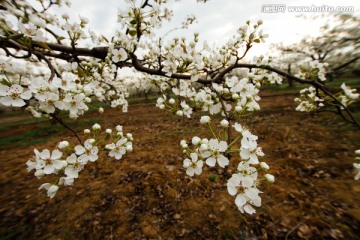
point(180, 113)
point(204, 147)
point(264, 165)
point(357, 152)
point(204, 119)
point(269, 178)
point(63, 144)
point(172, 101)
point(129, 136)
point(87, 131)
point(224, 123)
point(101, 110)
point(96, 127)
point(119, 128)
point(195, 140)
point(108, 131)
point(129, 148)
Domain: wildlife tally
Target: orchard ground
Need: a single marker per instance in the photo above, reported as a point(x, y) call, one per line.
point(147, 195)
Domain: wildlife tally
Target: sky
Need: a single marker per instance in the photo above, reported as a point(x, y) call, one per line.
point(217, 20)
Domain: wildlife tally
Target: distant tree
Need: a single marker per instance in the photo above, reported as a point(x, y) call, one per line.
point(338, 44)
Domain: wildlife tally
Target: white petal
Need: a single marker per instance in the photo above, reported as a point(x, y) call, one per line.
point(186, 163)
point(45, 154)
point(222, 161)
point(240, 200)
point(7, 101)
point(252, 193)
point(83, 159)
point(26, 95)
point(71, 159)
point(249, 209)
point(93, 157)
point(211, 161)
point(18, 102)
point(49, 169)
point(190, 171)
point(45, 185)
point(222, 146)
point(247, 182)
point(56, 154)
point(245, 154)
point(194, 157)
point(198, 170)
point(79, 149)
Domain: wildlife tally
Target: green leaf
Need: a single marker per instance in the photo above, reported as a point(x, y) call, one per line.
point(213, 177)
point(257, 40)
point(132, 33)
point(5, 82)
point(16, 36)
point(60, 38)
point(133, 22)
point(105, 39)
point(44, 45)
point(80, 72)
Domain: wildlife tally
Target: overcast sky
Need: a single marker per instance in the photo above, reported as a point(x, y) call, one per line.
point(217, 20)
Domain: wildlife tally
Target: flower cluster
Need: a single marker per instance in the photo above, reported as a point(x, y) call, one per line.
point(309, 100)
point(242, 184)
point(350, 95)
point(67, 160)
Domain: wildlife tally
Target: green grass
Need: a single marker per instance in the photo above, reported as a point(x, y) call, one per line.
point(40, 134)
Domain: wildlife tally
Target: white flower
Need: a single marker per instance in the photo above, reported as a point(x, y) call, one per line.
point(14, 95)
point(214, 154)
point(204, 119)
point(50, 163)
point(246, 153)
point(108, 131)
point(119, 55)
point(118, 149)
point(73, 168)
point(86, 153)
point(193, 166)
point(51, 189)
point(246, 193)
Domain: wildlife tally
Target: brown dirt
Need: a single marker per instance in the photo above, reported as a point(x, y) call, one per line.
point(147, 195)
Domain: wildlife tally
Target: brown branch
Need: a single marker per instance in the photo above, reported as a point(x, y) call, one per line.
point(66, 126)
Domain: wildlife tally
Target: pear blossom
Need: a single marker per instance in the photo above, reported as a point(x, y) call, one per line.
point(193, 166)
point(247, 195)
point(86, 153)
point(50, 163)
point(14, 95)
point(119, 148)
point(215, 153)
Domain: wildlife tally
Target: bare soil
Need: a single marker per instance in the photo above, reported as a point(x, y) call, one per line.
point(147, 195)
